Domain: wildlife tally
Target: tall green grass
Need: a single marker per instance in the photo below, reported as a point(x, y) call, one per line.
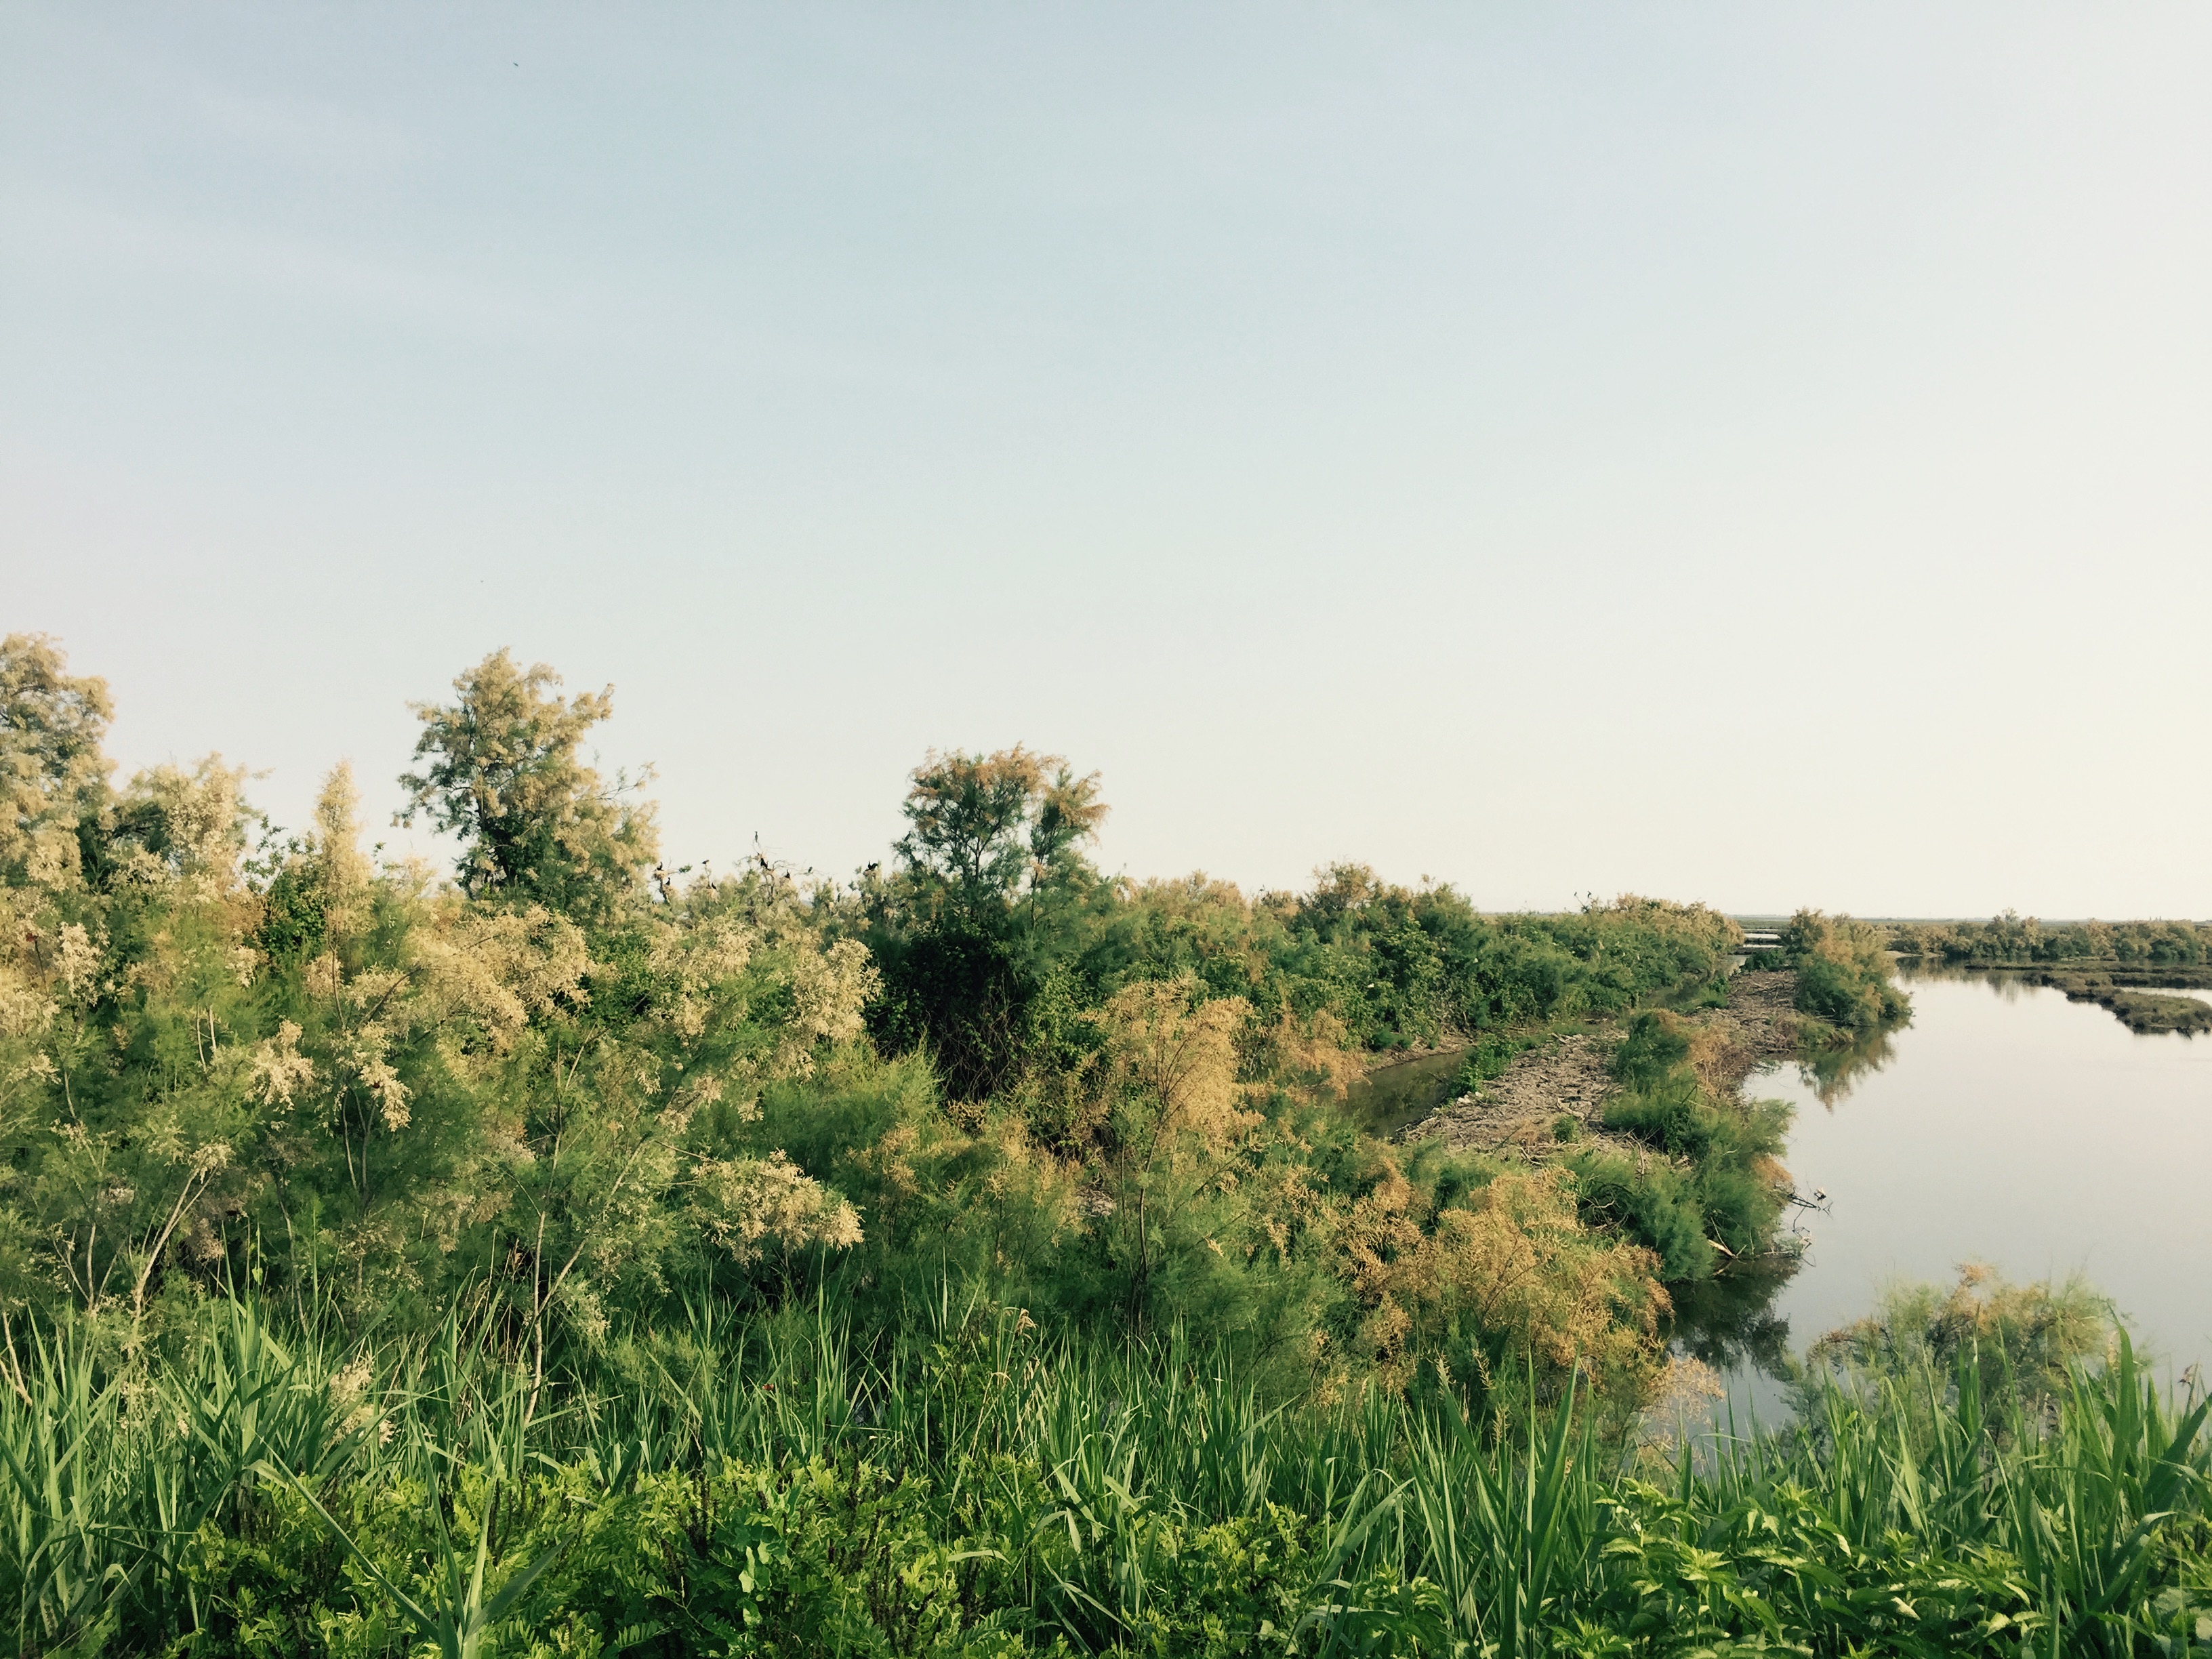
point(765, 1486)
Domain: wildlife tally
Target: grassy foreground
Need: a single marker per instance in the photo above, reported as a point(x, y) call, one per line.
point(765, 1487)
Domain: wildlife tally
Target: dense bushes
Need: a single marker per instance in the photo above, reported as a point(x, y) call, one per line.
point(1390, 968)
point(1139, 1344)
point(1654, 1202)
point(1844, 973)
point(580, 1098)
point(576, 1084)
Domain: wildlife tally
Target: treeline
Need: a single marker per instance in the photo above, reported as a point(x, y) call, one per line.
point(2012, 938)
point(577, 1086)
point(992, 928)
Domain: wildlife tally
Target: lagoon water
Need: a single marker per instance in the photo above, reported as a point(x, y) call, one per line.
point(2006, 1126)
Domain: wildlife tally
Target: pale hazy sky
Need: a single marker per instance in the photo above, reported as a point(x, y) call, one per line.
point(1753, 452)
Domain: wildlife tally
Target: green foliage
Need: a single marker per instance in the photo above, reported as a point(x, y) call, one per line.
point(1488, 1056)
point(969, 938)
point(572, 1097)
point(1673, 1116)
point(770, 1486)
point(2039, 1333)
point(2014, 940)
point(1654, 1051)
point(2139, 1010)
point(986, 831)
point(338, 1077)
point(548, 1163)
point(971, 927)
point(1709, 1187)
point(535, 823)
point(1405, 968)
point(1655, 1202)
point(54, 777)
point(1844, 972)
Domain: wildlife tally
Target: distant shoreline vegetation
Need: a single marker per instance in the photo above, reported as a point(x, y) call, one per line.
point(2138, 1010)
point(2119, 966)
point(2013, 940)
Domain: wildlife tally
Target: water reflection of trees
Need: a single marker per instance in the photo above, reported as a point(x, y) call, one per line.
point(2006, 986)
point(1730, 1322)
point(1833, 1074)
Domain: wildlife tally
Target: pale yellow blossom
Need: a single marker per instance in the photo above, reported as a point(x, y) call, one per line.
point(279, 1068)
point(743, 1204)
point(76, 961)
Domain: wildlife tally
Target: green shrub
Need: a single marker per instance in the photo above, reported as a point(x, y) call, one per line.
point(1710, 1182)
point(1655, 1047)
point(1673, 1116)
point(1844, 976)
point(1654, 1202)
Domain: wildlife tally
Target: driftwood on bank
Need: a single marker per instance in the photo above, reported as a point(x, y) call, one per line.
point(1522, 1108)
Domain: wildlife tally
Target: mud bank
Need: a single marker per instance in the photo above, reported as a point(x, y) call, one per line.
point(1571, 1077)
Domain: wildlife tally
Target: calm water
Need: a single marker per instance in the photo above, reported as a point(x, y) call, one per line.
point(2004, 1125)
point(1390, 1099)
